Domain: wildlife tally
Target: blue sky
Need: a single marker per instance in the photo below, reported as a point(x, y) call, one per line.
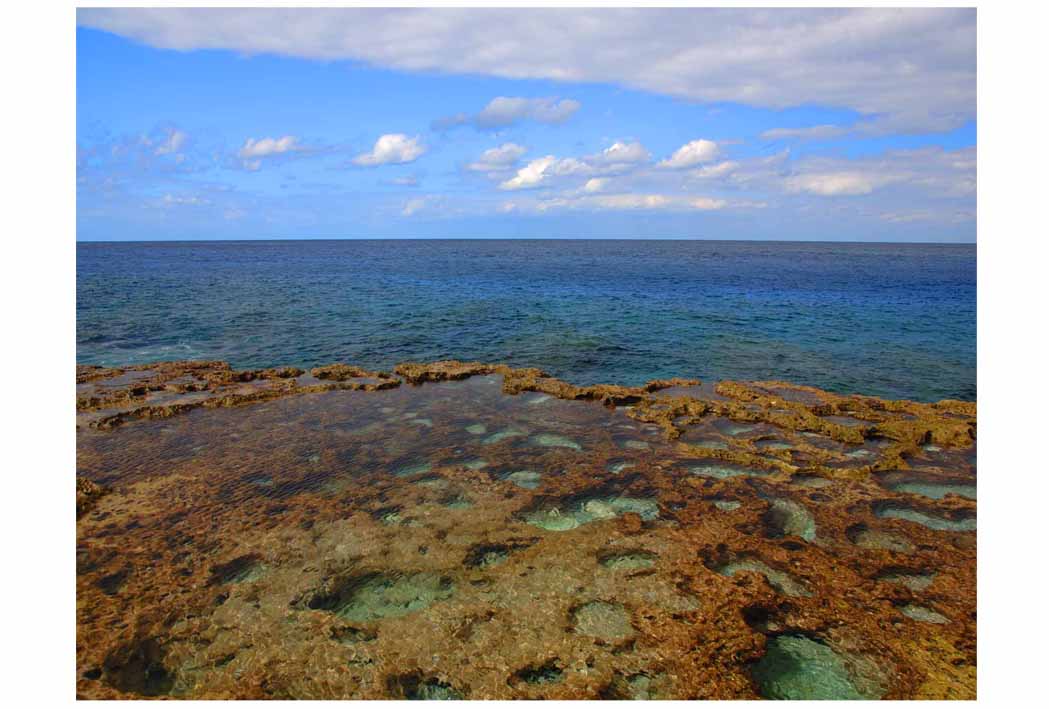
point(211, 124)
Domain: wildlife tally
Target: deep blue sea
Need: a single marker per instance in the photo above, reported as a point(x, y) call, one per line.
point(890, 320)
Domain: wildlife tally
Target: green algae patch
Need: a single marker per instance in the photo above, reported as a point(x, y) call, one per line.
point(915, 582)
point(551, 440)
point(939, 524)
point(796, 667)
point(476, 429)
point(935, 491)
point(502, 436)
point(866, 538)
point(724, 471)
point(527, 479)
point(590, 510)
point(602, 620)
point(639, 686)
point(378, 596)
point(923, 614)
point(727, 505)
point(629, 560)
point(779, 580)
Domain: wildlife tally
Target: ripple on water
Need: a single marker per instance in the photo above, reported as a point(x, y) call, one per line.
point(797, 667)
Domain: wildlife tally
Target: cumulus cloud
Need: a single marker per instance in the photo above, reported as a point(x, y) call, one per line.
point(531, 175)
point(265, 147)
point(691, 154)
point(910, 69)
point(616, 159)
point(622, 154)
point(391, 149)
point(497, 159)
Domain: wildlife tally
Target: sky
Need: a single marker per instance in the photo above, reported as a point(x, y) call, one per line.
point(836, 125)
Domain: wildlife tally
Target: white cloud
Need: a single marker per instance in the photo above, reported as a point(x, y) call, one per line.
point(707, 203)
point(626, 201)
point(720, 169)
point(412, 206)
point(595, 184)
point(265, 147)
point(820, 132)
point(531, 175)
point(392, 149)
point(172, 144)
point(832, 184)
point(908, 69)
point(406, 181)
point(497, 159)
point(503, 111)
point(691, 154)
point(171, 200)
point(622, 154)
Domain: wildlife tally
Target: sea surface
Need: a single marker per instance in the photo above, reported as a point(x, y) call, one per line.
point(889, 320)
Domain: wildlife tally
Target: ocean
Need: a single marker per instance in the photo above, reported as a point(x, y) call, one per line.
point(889, 320)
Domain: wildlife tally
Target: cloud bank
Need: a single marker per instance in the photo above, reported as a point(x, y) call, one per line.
point(907, 70)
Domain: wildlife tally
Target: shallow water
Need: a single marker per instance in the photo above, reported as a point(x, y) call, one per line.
point(278, 541)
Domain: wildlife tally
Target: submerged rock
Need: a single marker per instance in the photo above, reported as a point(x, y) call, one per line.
point(797, 667)
point(779, 580)
point(787, 518)
point(599, 619)
point(551, 440)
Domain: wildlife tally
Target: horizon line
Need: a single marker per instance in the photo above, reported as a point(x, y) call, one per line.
point(521, 238)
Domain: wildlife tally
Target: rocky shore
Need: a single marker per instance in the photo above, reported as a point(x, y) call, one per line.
point(469, 530)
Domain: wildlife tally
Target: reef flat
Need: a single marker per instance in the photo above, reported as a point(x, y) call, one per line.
point(466, 530)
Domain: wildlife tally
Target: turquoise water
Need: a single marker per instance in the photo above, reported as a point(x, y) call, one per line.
point(897, 321)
